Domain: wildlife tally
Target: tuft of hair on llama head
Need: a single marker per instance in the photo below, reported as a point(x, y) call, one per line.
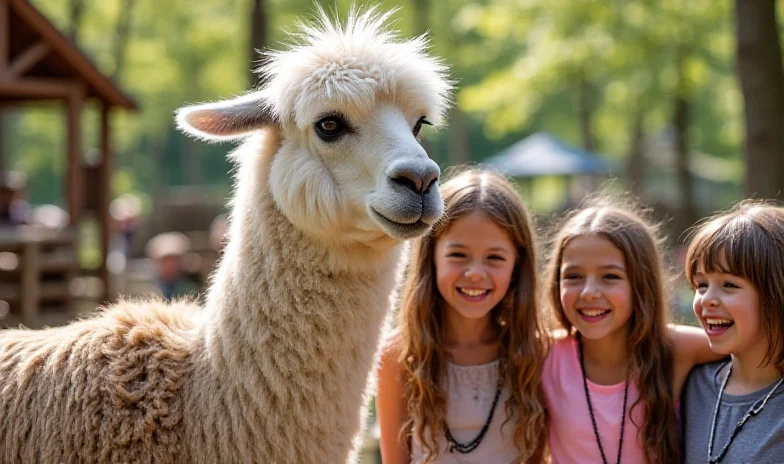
point(276, 365)
point(348, 104)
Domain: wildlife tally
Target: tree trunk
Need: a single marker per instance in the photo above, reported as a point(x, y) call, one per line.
point(586, 107)
point(761, 76)
point(121, 37)
point(635, 159)
point(75, 14)
point(258, 40)
point(680, 123)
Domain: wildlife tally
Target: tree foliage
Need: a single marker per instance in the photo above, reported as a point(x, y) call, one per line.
point(586, 70)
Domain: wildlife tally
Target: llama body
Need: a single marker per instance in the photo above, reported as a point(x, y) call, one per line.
point(274, 368)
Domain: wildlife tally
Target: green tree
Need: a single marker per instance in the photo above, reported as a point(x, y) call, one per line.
point(621, 70)
point(762, 81)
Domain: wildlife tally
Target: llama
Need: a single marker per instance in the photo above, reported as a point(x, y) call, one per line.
point(274, 368)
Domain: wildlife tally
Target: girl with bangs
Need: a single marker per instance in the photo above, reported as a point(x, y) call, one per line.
point(459, 381)
point(733, 409)
point(613, 376)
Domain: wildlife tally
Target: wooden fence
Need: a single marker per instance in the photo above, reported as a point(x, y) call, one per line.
point(37, 269)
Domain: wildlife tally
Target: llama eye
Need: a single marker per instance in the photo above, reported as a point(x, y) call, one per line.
point(330, 128)
point(418, 125)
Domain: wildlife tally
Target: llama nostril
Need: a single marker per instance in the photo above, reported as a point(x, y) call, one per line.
point(431, 183)
point(408, 182)
point(430, 176)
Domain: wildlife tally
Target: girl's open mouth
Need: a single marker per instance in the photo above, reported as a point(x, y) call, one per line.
point(473, 294)
point(717, 326)
point(593, 314)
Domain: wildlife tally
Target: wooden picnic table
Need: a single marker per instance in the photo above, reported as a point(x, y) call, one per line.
point(36, 268)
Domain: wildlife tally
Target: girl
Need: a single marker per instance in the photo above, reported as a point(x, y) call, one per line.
point(733, 409)
point(612, 379)
point(460, 379)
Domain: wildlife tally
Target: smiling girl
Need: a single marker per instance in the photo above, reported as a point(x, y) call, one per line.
point(611, 382)
point(733, 409)
point(460, 380)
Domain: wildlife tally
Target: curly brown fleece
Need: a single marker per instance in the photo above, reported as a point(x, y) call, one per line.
point(101, 390)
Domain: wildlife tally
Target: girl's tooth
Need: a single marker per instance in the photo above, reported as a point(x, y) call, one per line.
point(471, 292)
point(593, 313)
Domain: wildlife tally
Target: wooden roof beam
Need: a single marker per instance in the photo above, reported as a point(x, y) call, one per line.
point(27, 59)
point(74, 176)
point(67, 50)
point(41, 88)
point(5, 35)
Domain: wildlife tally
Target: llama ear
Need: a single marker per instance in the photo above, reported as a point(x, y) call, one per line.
point(228, 119)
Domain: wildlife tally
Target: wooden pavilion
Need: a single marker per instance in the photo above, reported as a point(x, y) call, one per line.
point(39, 64)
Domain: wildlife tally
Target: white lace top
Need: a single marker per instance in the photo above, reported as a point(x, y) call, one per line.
point(470, 393)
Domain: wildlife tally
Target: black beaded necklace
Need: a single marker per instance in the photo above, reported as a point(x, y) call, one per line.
point(473, 444)
point(755, 409)
point(590, 407)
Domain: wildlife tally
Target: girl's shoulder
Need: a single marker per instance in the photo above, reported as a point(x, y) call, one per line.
point(690, 349)
point(562, 350)
point(389, 367)
point(706, 377)
point(391, 346)
point(561, 367)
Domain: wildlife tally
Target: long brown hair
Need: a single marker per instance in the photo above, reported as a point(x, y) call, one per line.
point(422, 315)
point(749, 240)
point(648, 342)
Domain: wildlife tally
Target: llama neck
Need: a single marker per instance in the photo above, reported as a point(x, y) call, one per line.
point(292, 332)
point(281, 295)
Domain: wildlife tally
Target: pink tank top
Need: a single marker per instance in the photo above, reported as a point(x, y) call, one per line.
point(572, 439)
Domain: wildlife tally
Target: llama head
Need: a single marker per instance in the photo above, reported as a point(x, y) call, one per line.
point(347, 103)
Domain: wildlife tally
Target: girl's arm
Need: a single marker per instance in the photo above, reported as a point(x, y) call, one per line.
point(690, 348)
point(391, 406)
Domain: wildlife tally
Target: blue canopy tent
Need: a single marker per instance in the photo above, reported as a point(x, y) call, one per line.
point(543, 155)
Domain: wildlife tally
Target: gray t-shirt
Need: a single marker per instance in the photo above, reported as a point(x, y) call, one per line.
point(760, 441)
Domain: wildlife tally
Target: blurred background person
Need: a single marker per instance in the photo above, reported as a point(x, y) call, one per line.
point(14, 208)
point(218, 229)
point(168, 251)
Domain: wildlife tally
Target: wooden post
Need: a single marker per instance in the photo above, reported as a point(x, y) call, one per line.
point(105, 176)
point(74, 177)
point(5, 32)
point(31, 283)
